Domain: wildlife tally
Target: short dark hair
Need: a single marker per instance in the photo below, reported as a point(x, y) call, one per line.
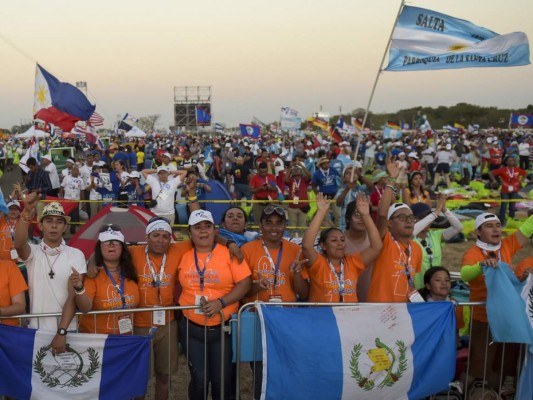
point(263, 165)
point(31, 162)
point(233, 208)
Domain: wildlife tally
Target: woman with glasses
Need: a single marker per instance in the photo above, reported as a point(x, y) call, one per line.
point(334, 274)
point(430, 240)
point(415, 192)
point(115, 286)
point(213, 281)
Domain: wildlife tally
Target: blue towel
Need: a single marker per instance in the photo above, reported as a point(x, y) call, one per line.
point(3, 205)
point(505, 308)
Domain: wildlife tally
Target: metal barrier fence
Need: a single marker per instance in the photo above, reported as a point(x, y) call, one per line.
point(497, 361)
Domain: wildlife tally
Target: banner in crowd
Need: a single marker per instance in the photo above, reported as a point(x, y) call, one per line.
point(358, 352)
point(219, 128)
point(253, 131)
point(428, 40)
point(391, 133)
point(521, 120)
point(59, 103)
point(202, 116)
point(94, 366)
point(290, 123)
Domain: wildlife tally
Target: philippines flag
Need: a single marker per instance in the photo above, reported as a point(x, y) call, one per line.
point(376, 351)
point(202, 116)
point(253, 131)
point(94, 366)
point(59, 103)
point(428, 40)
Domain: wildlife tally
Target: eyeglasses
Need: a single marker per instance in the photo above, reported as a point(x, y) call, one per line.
point(109, 243)
point(107, 227)
point(271, 208)
point(404, 218)
point(425, 244)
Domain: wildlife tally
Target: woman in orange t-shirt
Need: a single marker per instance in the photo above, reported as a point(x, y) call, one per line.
point(334, 274)
point(115, 286)
point(12, 296)
point(212, 280)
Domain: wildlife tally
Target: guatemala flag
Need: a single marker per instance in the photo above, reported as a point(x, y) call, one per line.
point(94, 366)
point(427, 40)
point(252, 131)
point(395, 351)
point(390, 133)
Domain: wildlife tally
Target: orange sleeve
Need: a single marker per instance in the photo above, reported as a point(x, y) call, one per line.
point(525, 264)
point(239, 271)
point(90, 286)
point(17, 284)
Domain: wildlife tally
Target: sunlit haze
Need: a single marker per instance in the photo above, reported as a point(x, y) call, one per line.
point(256, 56)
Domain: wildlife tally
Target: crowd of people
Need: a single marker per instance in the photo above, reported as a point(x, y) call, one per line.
point(377, 245)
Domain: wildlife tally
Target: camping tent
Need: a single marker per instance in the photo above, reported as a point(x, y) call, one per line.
point(218, 192)
point(135, 133)
point(32, 132)
point(132, 221)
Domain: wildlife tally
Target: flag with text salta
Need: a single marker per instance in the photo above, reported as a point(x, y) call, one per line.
point(96, 119)
point(428, 40)
point(381, 351)
point(94, 366)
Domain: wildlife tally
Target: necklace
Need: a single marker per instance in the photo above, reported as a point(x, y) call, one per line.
point(52, 273)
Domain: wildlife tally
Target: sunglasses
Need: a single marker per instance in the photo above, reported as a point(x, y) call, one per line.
point(404, 218)
point(424, 243)
point(107, 227)
point(270, 209)
point(154, 219)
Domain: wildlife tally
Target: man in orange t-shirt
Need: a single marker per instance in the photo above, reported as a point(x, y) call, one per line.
point(489, 250)
point(401, 258)
point(273, 260)
point(12, 296)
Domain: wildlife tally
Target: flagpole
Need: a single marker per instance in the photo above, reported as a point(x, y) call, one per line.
point(374, 87)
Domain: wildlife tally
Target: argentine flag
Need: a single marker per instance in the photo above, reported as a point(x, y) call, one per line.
point(94, 366)
point(427, 40)
point(376, 351)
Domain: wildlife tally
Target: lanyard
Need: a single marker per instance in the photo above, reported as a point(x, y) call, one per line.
point(120, 289)
point(12, 231)
point(201, 272)
point(339, 277)
point(296, 187)
point(511, 173)
point(276, 266)
point(156, 281)
point(407, 264)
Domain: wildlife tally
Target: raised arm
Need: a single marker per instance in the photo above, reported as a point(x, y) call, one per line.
point(21, 231)
point(308, 240)
point(369, 254)
point(388, 198)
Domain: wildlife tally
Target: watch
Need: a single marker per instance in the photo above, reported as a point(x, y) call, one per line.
point(229, 242)
point(62, 332)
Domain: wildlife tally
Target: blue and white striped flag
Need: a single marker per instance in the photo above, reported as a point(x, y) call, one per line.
point(94, 366)
point(396, 351)
point(219, 128)
point(428, 40)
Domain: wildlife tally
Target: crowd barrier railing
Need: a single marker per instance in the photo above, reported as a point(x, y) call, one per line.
point(498, 361)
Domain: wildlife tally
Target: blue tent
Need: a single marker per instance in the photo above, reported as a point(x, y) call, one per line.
point(218, 192)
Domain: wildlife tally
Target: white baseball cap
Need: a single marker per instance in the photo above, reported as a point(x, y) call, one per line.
point(163, 168)
point(485, 217)
point(166, 155)
point(198, 216)
point(47, 157)
point(13, 203)
point(135, 174)
point(395, 207)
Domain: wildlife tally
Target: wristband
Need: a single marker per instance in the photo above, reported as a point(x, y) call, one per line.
point(229, 242)
point(80, 290)
point(222, 302)
point(391, 188)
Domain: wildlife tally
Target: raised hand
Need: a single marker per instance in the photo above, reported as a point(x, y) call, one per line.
point(30, 201)
point(76, 279)
point(322, 203)
point(362, 204)
point(392, 168)
point(441, 203)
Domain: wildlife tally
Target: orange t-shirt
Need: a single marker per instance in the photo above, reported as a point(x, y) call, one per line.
point(260, 265)
point(148, 294)
point(104, 296)
point(325, 284)
point(11, 283)
point(389, 282)
point(220, 276)
point(525, 264)
point(6, 240)
point(478, 290)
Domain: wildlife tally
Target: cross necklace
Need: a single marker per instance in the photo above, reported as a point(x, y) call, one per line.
point(51, 274)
